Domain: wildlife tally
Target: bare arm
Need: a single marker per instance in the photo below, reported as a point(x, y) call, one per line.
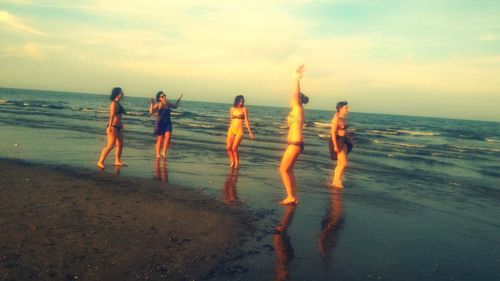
point(335, 122)
point(176, 104)
point(112, 114)
point(297, 75)
point(247, 123)
point(153, 107)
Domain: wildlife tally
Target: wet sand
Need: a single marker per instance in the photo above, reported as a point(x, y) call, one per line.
point(62, 223)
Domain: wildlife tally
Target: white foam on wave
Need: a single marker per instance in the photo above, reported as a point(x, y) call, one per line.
point(399, 144)
point(4, 101)
point(377, 132)
point(465, 148)
point(85, 109)
point(136, 113)
point(192, 125)
point(491, 140)
point(321, 125)
point(418, 133)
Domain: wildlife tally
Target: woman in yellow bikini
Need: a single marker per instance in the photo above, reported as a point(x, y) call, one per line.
point(295, 139)
point(238, 115)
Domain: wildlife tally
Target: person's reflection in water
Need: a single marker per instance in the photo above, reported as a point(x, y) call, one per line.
point(117, 169)
point(230, 187)
point(282, 244)
point(330, 225)
point(161, 170)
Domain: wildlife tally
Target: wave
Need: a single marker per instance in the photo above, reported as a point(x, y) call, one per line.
point(4, 101)
point(137, 113)
point(89, 109)
point(492, 140)
point(378, 132)
point(465, 148)
point(418, 133)
point(321, 125)
point(192, 125)
point(399, 144)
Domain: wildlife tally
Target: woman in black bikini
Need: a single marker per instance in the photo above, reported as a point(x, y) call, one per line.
point(340, 142)
point(114, 130)
point(295, 139)
point(238, 115)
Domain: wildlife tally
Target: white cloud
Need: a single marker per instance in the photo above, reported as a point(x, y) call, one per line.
point(489, 37)
point(13, 23)
point(28, 50)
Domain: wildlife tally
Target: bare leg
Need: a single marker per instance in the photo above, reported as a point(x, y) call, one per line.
point(159, 141)
point(229, 145)
point(339, 169)
point(236, 144)
point(166, 142)
point(112, 135)
point(119, 148)
point(286, 171)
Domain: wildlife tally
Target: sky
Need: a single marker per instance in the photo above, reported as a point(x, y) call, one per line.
point(423, 57)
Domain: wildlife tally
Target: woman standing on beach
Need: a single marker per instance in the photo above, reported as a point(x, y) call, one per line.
point(341, 143)
point(295, 139)
point(114, 130)
point(238, 115)
point(163, 126)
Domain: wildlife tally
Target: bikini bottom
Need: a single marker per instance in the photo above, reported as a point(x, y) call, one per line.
point(299, 144)
point(236, 132)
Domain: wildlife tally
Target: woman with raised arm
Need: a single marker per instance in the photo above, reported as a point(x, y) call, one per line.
point(114, 130)
point(295, 139)
point(341, 143)
point(163, 125)
point(238, 115)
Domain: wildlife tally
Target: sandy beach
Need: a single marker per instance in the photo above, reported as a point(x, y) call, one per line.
point(62, 223)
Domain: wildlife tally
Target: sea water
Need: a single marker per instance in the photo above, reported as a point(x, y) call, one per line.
point(421, 198)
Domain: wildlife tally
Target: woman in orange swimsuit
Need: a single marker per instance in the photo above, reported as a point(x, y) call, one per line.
point(340, 142)
point(295, 139)
point(114, 130)
point(238, 115)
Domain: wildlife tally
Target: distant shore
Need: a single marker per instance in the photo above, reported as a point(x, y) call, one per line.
point(67, 223)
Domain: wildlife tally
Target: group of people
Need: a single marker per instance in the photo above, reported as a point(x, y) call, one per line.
point(340, 144)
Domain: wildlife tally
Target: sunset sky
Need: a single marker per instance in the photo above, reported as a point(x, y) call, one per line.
point(425, 58)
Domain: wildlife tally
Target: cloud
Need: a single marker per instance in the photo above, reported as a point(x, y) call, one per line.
point(489, 37)
point(13, 23)
point(28, 50)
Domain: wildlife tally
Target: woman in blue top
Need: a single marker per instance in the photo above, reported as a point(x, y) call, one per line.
point(163, 126)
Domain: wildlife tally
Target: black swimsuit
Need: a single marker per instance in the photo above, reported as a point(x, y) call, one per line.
point(299, 144)
point(120, 111)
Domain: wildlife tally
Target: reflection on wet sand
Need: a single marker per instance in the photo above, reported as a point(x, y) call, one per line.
point(282, 244)
point(230, 187)
point(161, 170)
point(117, 169)
point(330, 226)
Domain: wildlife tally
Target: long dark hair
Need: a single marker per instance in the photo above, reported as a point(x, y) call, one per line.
point(303, 98)
point(237, 100)
point(158, 95)
point(340, 105)
point(115, 92)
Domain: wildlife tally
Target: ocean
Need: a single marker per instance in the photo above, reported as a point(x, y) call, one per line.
point(421, 198)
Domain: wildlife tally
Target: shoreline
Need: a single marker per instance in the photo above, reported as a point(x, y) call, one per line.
point(61, 222)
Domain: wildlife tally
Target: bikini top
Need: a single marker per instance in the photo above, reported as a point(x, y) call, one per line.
point(120, 109)
point(342, 125)
point(238, 116)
